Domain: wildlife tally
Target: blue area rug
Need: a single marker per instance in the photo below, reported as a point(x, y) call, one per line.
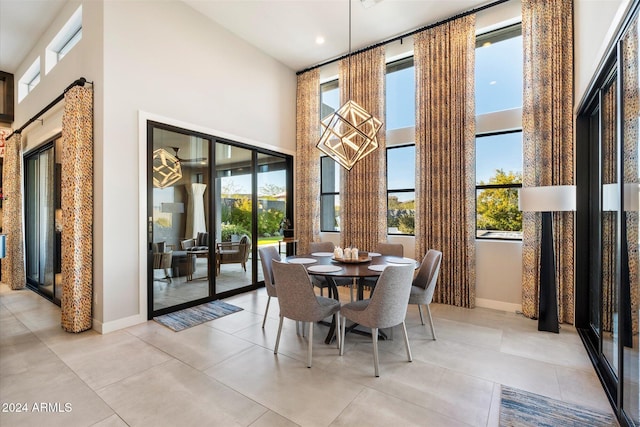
point(523, 409)
point(183, 319)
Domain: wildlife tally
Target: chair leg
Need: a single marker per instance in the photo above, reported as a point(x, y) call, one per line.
point(342, 332)
point(266, 310)
point(374, 339)
point(310, 350)
point(275, 350)
point(420, 311)
point(406, 341)
point(353, 284)
point(321, 293)
point(433, 331)
point(337, 317)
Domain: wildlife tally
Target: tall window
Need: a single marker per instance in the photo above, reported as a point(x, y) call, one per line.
point(329, 170)
point(401, 149)
point(498, 82)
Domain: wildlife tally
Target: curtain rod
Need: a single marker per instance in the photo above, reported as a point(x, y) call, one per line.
point(401, 36)
point(80, 82)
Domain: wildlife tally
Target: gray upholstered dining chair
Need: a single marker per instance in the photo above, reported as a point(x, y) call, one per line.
point(386, 308)
point(298, 301)
point(424, 284)
point(321, 282)
point(267, 255)
point(389, 249)
point(392, 249)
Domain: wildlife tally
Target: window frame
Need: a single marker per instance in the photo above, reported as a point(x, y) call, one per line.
point(502, 126)
point(327, 193)
point(401, 190)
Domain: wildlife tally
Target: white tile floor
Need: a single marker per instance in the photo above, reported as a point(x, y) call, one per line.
point(224, 372)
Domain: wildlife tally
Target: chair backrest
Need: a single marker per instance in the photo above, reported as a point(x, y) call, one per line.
point(158, 247)
point(321, 247)
point(245, 246)
point(295, 292)
point(428, 274)
point(267, 255)
point(202, 239)
point(391, 249)
point(388, 305)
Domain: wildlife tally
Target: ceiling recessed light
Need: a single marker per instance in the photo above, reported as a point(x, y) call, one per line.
point(493, 82)
point(319, 40)
point(485, 44)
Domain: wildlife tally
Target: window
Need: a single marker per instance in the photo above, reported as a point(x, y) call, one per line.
point(401, 195)
point(499, 70)
point(498, 79)
point(64, 41)
point(29, 80)
point(329, 169)
point(401, 149)
point(329, 194)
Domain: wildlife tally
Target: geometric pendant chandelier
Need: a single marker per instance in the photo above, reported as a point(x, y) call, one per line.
point(350, 133)
point(166, 168)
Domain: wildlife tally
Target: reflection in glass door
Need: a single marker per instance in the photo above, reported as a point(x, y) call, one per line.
point(272, 200)
point(178, 220)
point(43, 217)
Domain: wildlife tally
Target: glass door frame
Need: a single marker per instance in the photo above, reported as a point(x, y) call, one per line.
point(588, 227)
point(211, 202)
point(49, 144)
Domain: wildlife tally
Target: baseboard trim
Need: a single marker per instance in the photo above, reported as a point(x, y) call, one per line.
point(105, 328)
point(498, 305)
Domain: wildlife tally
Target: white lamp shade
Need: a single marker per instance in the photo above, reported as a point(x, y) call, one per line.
point(611, 197)
point(631, 199)
point(552, 198)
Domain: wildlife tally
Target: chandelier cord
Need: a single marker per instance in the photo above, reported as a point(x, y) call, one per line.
point(349, 70)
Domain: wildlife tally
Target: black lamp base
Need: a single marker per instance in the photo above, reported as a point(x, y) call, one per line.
point(548, 303)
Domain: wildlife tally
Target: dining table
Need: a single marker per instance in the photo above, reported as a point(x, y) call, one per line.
point(368, 265)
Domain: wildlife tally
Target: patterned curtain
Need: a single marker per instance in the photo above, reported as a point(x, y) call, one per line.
point(363, 192)
point(13, 264)
point(445, 155)
point(548, 147)
point(630, 171)
point(307, 187)
point(77, 209)
point(609, 218)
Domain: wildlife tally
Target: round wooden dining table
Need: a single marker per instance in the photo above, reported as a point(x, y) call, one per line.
point(369, 265)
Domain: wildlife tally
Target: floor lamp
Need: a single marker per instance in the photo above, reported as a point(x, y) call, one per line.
point(555, 198)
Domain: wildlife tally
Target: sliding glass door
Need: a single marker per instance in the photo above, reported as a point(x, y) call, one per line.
point(211, 203)
point(43, 218)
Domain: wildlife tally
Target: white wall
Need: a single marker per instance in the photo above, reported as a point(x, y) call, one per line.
point(595, 24)
point(165, 59)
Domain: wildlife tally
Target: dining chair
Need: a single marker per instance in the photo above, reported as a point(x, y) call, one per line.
point(321, 282)
point(298, 301)
point(388, 249)
point(424, 284)
point(267, 255)
point(386, 308)
point(391, 249)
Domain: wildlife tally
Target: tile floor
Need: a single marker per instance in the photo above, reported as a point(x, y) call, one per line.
point(224, 372)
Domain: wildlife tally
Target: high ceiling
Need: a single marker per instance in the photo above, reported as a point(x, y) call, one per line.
point(284, 29)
